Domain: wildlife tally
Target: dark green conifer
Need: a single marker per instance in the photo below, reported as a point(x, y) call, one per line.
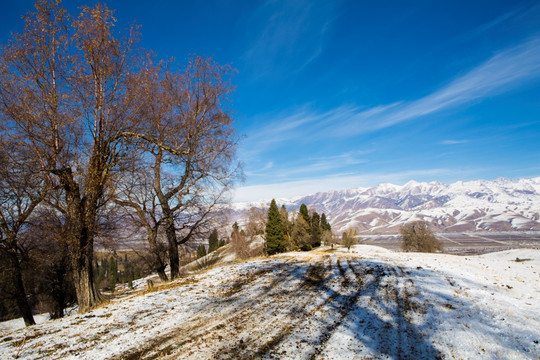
point(325, 226)
point(113, 273)
point(315, 230)
point(201, 251)
point(213, 241)
point(275, 234)
point(305, 215)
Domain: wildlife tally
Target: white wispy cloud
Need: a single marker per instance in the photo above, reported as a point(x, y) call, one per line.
point(454, 142)
point(504, 71)
point(501, 73)
point(261, 171)
point(290, 38)
point(321, 165)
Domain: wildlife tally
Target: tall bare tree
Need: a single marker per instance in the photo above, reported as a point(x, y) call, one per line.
point(22, 189)
point(66, 103)
point(135, 193)
point(75, 93)
point(187, 110)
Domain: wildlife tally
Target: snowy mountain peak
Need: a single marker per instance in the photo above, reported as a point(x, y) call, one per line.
point(480, 205)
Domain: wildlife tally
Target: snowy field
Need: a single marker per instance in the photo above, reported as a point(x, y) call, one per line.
point(369, 304)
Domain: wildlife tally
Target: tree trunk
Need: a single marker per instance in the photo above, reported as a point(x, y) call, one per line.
point(18, 287)
point(157, 255)
point(83, 278)
point(58, 288)
point(83, 256)
point(170, 231)
point(81, 223)
point(58, 298)
point(162, 275)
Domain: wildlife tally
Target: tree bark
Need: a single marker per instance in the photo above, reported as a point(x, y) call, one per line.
point(82, 215)
point(162, 275)
point(157, 262)
point(170, 231)
point(58, 286)
point(83, 277)
point(19, 291)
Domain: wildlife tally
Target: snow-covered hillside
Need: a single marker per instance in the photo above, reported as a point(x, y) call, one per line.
point(371, 303)
point(499, 205)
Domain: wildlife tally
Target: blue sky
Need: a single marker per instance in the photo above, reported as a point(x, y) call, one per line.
point(341, 94)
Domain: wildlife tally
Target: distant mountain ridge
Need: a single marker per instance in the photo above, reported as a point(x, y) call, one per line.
point(499, 205)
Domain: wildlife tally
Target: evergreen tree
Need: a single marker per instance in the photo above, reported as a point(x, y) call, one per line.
point(213, 241)
point(201, 251)
point(113, 273)
point(315, 230)
point(305, 215)
point(285, 219)
point(275, 235)
point(96, 272)
point(325, 226)
point(287, 228)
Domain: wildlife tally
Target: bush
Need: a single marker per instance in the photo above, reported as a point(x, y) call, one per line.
point(416, 236)
point(349, 238)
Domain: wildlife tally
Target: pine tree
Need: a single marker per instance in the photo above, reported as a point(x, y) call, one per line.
point(113, 273)
point(325, 226)
point(287, 228)
point(213, 241)
point(275, 235)
point(201, 251)
point(305, 214)
point(285, 219)
point(315, 230)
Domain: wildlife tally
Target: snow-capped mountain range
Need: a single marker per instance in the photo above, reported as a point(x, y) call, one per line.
point(498, 205)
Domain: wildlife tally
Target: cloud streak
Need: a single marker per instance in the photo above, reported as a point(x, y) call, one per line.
point(291, 36)
point(503, 72)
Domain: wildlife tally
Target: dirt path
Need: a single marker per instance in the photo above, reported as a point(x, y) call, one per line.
point(303, 309)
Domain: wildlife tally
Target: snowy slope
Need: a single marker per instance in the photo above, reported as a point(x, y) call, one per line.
point(499, 205)
point(371, 303)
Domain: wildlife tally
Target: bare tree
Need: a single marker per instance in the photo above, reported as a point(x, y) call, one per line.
point(76, 96)
point(239, 242)
point(22, 189)
point(48, 249)
point(300, 234)
point(256, 222)
point(135, 193)
point(70, 104)
point(187, 110)
point(417, 236)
